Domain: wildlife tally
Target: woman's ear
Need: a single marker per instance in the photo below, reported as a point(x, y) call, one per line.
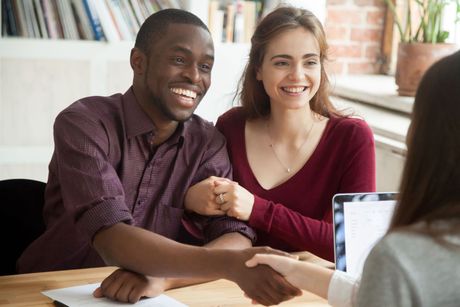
point(258, 75)
point(138, 61)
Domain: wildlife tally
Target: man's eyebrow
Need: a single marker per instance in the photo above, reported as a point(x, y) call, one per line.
point(187, 51)
point(287, 56)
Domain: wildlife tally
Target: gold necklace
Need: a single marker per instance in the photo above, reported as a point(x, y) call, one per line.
point(272, 146)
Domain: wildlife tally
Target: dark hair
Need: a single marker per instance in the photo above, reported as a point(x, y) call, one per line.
point(430, 186)
point(156, 25)
point(254, 99)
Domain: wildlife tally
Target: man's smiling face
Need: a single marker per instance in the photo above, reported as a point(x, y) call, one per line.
point(178, 72)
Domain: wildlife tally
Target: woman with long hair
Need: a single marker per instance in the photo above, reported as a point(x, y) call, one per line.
point(417, 262)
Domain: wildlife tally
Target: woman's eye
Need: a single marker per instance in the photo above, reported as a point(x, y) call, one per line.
point(282, 63)
point(311, 63)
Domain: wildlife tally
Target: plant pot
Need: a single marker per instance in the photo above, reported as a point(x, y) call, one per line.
point(413, 60)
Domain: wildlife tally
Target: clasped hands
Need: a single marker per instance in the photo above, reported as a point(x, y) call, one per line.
point(220, 196)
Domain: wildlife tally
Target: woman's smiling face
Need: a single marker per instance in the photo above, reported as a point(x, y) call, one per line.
point(291, 68)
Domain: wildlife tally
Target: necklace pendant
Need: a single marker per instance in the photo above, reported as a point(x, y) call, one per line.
point(288, 170)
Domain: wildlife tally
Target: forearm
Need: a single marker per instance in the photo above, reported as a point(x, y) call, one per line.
point(150, 254)
point(227, 241)
point(312, 277)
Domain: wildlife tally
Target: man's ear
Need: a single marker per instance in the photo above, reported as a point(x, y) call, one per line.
point(138, 61)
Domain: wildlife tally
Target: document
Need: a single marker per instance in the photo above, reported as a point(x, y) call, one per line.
point(83, 296)
point(365, 224)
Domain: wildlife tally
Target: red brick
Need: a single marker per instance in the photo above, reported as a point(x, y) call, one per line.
point(363, 68)
point(341, 16)
point(337, 33)
point(375, 17)
point(366, 35)
point(346, 51)
point(372, 52)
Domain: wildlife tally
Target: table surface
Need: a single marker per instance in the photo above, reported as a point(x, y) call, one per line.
point(25, 289)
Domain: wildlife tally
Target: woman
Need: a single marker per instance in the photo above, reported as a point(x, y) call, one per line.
point(417, 262)
point(291, 149)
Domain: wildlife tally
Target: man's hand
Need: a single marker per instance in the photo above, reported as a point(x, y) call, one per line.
point(130, 287)
point(200, 198)
point(261, 283)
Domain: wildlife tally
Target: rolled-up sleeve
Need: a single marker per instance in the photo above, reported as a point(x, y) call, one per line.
point(90, 187)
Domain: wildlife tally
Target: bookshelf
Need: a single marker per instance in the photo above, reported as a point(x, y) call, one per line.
point(40, 77)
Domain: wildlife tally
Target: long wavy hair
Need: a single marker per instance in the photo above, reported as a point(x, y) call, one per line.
point(430, 185)
point(253, 97)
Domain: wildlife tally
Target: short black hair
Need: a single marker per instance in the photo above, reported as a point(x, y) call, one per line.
point(156, 25)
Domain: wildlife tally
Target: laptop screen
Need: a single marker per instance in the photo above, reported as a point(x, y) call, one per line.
point(360, 220)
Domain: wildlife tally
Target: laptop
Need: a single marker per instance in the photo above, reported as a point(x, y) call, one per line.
point(360, 220)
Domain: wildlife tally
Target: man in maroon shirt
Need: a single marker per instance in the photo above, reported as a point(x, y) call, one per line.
point(122, 166)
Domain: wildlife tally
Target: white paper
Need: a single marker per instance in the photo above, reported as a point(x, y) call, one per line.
point(365, 223)
point(83, 296)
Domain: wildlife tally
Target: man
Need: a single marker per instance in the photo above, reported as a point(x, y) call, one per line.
point(122, 165)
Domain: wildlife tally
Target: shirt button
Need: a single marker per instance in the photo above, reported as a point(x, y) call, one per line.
point(139, 202)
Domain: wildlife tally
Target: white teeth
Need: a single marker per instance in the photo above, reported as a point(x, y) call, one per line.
point(184, 92)
point(294, 89)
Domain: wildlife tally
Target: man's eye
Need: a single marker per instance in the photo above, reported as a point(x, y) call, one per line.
point(206, 67)
point(179, 60)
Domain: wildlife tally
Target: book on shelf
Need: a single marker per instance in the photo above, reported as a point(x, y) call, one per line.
point(40, 18)
point(53, 24)
point(216, 21)
point(110, 28)
point(69, 25)
point(94, 20)
point(82, 20)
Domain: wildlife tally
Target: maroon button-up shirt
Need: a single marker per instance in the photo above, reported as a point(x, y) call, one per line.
point(104, 170)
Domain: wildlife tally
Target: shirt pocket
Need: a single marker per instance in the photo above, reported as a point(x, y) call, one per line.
point(167, 221)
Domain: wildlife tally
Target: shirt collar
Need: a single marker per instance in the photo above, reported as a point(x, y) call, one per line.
point(137, 122)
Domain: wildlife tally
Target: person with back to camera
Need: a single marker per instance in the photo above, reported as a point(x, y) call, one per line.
point(290, 148)
point(417, 262)
point(121, 168)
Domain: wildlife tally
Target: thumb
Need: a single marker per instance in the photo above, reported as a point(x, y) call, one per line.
point(254, 261)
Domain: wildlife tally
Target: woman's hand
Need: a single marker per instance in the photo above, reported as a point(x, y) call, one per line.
point(235, 200)
point(200, 198)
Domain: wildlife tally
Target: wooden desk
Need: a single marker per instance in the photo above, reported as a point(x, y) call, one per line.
point(25, 289)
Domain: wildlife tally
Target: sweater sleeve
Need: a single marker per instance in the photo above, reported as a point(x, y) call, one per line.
point(302, 232)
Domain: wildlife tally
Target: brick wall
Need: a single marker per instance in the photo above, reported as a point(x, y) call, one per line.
point(354, 30)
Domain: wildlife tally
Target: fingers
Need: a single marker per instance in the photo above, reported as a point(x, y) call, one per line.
point(272, 251)
point(98, 292)
point(122, 286)
point(270, 288)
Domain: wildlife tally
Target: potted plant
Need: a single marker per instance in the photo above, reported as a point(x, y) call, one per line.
point(422, 40)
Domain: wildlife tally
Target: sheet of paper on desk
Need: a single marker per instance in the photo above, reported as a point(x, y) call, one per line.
point(83, 296)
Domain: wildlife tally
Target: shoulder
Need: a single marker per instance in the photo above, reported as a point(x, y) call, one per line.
point(349, 131)
point(233, 115)
point(93, 108)
point(350, 125)
point(231, 121)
